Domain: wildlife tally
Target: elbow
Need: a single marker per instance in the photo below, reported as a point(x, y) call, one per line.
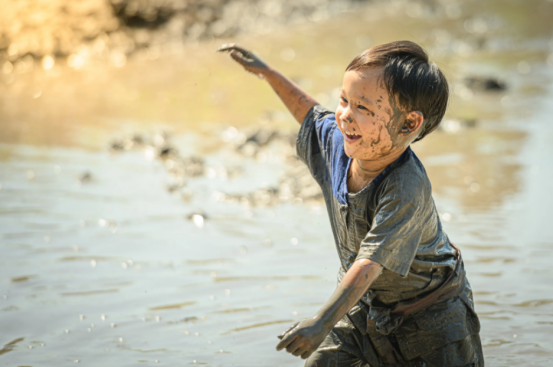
point(369, 266)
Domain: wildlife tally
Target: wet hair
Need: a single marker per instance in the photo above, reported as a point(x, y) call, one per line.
point(408, 75)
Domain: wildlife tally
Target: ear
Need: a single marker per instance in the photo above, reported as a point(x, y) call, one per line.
point(413, 122)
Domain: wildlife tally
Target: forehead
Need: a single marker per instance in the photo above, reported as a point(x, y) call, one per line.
point(365, 81)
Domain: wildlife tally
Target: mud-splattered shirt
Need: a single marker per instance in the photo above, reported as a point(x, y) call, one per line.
point(392, 221)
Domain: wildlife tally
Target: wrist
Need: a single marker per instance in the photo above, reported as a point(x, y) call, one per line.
point(269, 72)
point(326, 322)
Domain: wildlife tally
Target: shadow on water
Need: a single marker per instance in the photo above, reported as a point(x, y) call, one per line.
point(155, 212)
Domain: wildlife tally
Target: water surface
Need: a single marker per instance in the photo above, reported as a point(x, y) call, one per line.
point(117, 257)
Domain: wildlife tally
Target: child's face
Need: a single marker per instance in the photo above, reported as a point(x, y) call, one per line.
point(368, 118)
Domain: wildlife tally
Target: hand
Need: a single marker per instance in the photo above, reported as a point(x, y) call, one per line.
point(251, 62)
point(303, 338)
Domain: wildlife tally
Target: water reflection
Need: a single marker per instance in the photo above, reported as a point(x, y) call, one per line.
point(484, 185)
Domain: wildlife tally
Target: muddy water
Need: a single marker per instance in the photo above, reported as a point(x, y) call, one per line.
point(113, 257)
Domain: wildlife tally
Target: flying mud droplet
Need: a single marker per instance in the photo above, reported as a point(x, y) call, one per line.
point(198, 220)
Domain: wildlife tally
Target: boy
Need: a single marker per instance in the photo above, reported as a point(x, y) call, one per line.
point(403, 298)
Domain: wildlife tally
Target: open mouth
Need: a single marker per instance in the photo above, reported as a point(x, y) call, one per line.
point(350, 137)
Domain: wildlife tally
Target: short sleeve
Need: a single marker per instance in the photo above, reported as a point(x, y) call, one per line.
point(397, 227)
point(315, 138)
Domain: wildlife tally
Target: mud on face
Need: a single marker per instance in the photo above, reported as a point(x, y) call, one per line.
point(367, 110)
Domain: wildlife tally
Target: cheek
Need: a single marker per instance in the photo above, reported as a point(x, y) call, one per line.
point(385, 140)
point(384, 144)
point(338, 116)
point(377, 140)
point(370, 128)
point(338, 113)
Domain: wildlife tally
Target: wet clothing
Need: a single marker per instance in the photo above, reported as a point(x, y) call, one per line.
point(394, 222)
point(346, 346)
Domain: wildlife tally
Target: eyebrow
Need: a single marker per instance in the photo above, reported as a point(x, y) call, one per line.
point(368, 100)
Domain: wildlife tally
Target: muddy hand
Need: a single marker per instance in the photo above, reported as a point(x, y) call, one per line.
point(247, 59)
point(281, 335)
point(304, 338)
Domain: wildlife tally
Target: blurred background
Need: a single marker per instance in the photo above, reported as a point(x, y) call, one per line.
point(152, 209)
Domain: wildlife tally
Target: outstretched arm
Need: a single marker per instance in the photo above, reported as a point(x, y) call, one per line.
point(295, 99)
point(303, 338)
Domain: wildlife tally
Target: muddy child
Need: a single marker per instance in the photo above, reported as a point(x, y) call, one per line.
point(403, 298)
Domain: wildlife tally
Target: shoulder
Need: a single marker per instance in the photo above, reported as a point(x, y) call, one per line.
point(319, 122)
point(318, 114)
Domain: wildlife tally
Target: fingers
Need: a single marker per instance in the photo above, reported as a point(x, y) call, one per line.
point(238, 58)
point(234, 47)
point(226, 47)
point(294, 346)
point(298, 352)
point(297, 349)
point(288, 330)
point(285, 341)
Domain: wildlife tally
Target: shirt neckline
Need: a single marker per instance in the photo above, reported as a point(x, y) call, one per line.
point(377, 179)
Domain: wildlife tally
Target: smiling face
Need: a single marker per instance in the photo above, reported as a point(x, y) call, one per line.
point(370, 121)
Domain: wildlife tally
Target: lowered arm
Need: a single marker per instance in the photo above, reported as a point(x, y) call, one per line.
point(303, 338)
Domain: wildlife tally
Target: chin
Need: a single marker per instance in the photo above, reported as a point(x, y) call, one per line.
point(349, 151)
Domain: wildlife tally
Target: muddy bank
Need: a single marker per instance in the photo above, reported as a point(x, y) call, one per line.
point(46, 32)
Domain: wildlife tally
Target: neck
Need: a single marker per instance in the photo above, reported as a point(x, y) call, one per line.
point(369, 169)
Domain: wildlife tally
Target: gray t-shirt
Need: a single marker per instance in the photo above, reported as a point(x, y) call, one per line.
point(394, 222)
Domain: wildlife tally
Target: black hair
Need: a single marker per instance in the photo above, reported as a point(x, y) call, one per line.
point(408, 75)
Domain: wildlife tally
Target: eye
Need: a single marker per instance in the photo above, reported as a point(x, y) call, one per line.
point(361, 107)
point(343, 100)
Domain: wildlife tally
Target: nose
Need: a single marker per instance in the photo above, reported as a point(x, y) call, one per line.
point(346, 115)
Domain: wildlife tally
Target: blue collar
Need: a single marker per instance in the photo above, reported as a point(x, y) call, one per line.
point(342, 162)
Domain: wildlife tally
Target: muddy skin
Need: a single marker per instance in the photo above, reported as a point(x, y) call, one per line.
point(303, 338)
point(366, 170)
point(369, 113)
point(250, 61)
point(399, 135)
point(294, 98)
point(394, 128)
point(380, 127)
point(374, 142)
point(379, 102)
point(396, 123)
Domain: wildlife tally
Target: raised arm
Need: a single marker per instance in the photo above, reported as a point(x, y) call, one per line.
point(303, 338)
point(295, 99)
